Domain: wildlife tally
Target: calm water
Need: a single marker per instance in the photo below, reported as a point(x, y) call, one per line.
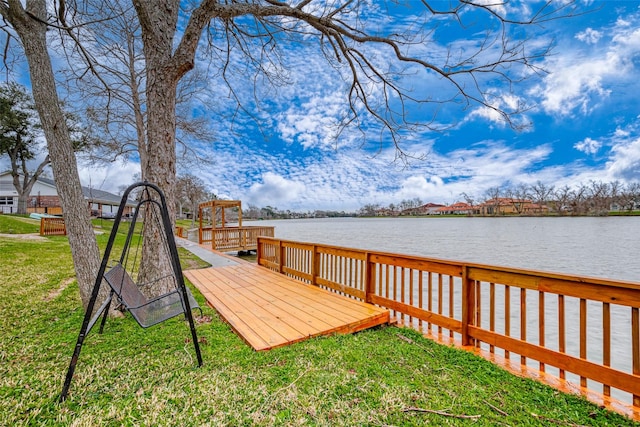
point(602, 247)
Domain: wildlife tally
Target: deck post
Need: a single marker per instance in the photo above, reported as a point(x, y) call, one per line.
point(315, 265)
point(369, 278)
point(468, 305)
point(200, 224)
point(635, 348)
point(258, 250)
point(280, 257)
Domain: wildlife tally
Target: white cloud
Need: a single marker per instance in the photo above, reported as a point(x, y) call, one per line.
point(111, 178)
point(497, 7)
point(622, 164)
point(575, 83)
point(347, 179)
point(506, 102)
point(581, 79)
point(274, 189)
point(624, 160)
point(422, 187)
point(589, 36)
point(314, 122)
point(588, 146)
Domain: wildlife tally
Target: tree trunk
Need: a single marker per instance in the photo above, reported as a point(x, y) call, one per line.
point(32, 34)
point(158, 21)
point(23, 201)
point(24, 189)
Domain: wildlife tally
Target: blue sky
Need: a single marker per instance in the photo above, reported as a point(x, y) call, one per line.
point(583, 116)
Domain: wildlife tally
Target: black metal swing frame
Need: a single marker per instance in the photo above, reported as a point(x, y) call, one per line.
point(147, 312)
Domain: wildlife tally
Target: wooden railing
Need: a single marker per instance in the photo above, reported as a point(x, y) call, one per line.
point(577, 333)
point(233, 238)
point(181, 231)
point(52, 226)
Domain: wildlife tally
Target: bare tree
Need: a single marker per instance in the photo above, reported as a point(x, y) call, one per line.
point(561, 200)
point(630, 196)
point(579, 198)
point(492, 201)
point(541, 192)
point(369, 209)
point(191, 191)
point(470, 200)
point(252, 212)
point(114, 81)
point(256, 28)
point(518, 196)
point(616, 188)
point(599, 197)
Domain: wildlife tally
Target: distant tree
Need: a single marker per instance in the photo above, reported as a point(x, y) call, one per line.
point(369, 209)
point(470, 200)
point(630, 196)
point(492, 201)
point(541, 193)
point(268, 212)
point(252, 212)
point(416, 202)
point(616, 188)
point(518, 195)
point(562, 200)
point(579, 200)
point(191, 191)
point(598, 197)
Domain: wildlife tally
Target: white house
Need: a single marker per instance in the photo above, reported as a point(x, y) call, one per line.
point(44, 198)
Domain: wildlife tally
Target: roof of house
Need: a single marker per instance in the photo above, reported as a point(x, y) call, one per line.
point(95, 195)
point(458, 206)
point(91, 194)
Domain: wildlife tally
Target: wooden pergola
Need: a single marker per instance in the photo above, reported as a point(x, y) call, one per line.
point(223, 205)
point(228, 239)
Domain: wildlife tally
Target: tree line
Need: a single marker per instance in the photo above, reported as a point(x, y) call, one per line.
point(591, 198)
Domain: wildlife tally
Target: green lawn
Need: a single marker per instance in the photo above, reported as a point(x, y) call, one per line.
point(14, 224)
point(130, 376)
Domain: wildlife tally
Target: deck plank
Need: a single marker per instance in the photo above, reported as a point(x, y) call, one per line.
point(267, 309)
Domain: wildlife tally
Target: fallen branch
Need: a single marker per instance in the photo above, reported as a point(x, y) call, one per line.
point(410, 341)
point(407, 339)
point(495, 408)
point(442, 413)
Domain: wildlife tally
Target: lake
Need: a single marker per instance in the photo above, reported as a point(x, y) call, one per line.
point(588, 246)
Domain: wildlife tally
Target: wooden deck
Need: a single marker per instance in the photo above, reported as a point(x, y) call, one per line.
point(268, 309)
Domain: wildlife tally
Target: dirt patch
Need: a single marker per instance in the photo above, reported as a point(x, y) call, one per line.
point(56, 293)
point(191, 264)
point(28, 236)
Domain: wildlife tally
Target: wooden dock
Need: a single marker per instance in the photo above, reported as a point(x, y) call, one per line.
point(269, 310)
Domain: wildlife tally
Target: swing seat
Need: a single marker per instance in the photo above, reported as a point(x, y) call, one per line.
point(147, 312)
